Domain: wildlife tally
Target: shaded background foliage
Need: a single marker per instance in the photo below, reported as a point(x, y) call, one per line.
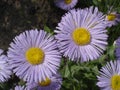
point(17, 16)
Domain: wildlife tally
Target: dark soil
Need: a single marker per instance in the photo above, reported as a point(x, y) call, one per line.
point(17, 16)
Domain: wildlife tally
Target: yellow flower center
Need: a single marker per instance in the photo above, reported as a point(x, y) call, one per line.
point(81, 36)
point(111, 17)
point(46, 82)
point(34, 55)
point(68, 1)
point(115, 82)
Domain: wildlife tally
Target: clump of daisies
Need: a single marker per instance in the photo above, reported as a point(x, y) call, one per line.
point(81, 34)
point(65, 4)
point(109, 78)
point(34, 56)
point(5, 68)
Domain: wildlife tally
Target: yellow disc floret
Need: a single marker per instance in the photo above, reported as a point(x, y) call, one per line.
point(115, 82)
point(46, 82)
point(68, 1)
point(81, 36)
point(34, 55)
point(111, 17)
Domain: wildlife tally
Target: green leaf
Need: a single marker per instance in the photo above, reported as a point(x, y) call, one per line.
point(67, 71)
point(95, 2)
point(47, 29)
point(74, 69)
point(110, 52)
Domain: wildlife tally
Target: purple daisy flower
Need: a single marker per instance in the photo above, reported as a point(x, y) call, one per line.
point(34, 55)
point(81, 34)
point(109, 78)
point(52, 83)
point(112, 19)
point(66, 4)
point(117, 50)
point(5, 68)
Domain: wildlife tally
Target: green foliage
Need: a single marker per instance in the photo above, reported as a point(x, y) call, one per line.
point(47, 29)
point(80, 76)
point(107, 5)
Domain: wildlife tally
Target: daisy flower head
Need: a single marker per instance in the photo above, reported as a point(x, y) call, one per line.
point(81, 34)
point(112, 19)
point(34, 56)
point(5, 68)
point(109, 78)
point(65, 4)
point(117, 50)
point(52, 83)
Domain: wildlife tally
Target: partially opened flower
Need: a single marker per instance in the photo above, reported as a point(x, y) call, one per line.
point(52, 83)
point(81, 34)
point(66, 4)
point(109, 78)
point(5, 68)
point(117, 50)
point(112, 19)
point(34, 55)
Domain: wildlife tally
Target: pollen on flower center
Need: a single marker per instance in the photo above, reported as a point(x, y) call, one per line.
point(111, 17)
point(34, 55)
point(46, 82)
point(115, 82)
point(68, 1)
point(81, 36)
